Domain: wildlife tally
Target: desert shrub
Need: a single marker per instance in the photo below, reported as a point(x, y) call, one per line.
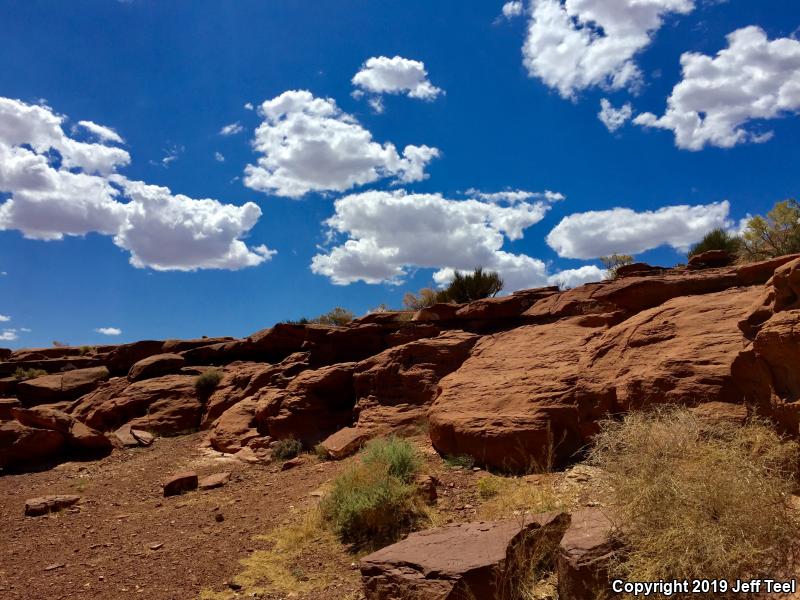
point(375, 501)
point(338, 316)
point(471, 286)
point(287, 448)
point(699, 500)
point(489, 487)
point(777, 234)
point(399, 456)
point(425, 298)
point(464, 461)
point(84, 350)
point(614, 262)
point(207, 382)
point(24, 374)
point(717, 239)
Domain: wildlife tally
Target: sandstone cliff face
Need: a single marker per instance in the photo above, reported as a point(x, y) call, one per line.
point(518, 382)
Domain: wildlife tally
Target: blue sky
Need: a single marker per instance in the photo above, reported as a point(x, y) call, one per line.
point(500, 108)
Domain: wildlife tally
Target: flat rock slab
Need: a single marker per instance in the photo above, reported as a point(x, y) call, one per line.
point(346, 441)
point(214, 481)
point(47, 504)
point(468, 560)
point(185, 481)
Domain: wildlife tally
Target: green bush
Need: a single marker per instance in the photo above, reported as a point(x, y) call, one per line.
point(472, 286)
point(775, 235)
point(398, 455)
point(287, 448)
point(338, 316)
point(717, 239)
point(24, 374)
point(375, 502)
point(207, 382)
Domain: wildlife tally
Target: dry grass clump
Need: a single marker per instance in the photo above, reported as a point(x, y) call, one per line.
point(287, 448)
point(375, 501)
point(510, 497)
point(699, 500)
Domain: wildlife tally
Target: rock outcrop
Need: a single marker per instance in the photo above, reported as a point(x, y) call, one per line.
point(155, 366)
point(60, 387)
point(470, 560)
point(585, 554)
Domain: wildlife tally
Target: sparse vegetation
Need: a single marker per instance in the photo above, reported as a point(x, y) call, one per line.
point(472, 286)
point(207, 382)
point(375, 501)
point(508, 497)
point(425, 298)
point(717, 239)
point(464, 461)
point(84, 350)
point(777, 234)
point(699, 500)
point(24, 374)
point(614, 262)
point(337, 316)
point(287, 448)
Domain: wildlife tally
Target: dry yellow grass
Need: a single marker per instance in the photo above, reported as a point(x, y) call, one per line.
point(699, 500)
point(509, 497)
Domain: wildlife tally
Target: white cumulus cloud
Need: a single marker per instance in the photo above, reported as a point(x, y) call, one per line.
point(572, 45)
point(397, 75)
point(308, 144)
point(109, 330)
point(8, 335)
point(570, 278)
point(513, 9)
point(614, 118)
point(752, 79)
point(4, 318)
point(83, 194)
point(388, 233)
point(598, 233)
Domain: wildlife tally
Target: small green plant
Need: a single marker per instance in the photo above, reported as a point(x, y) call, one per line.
point(24, 374)
point(287, 448)
point(717, 239)
point(614, 262)
point(489, 487)
point(375, 501)
point(322, 452)
point(398, 455)
point(471, 286)
point(464, 461)
point(207, 382)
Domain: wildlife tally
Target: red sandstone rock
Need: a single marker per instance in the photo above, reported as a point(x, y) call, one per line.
point(504, 307)
point(155, 366)
point(711, 259)
point(22, 446)
point(76, 434)
point(442, 311)
point(584, 556)
point(47, 504)
point(346, 441)
point(182, 482)
point(165, 405)
point(60, 387)
point(469, 560)
point(213, 481)
point(6, 404)
point(315, 404)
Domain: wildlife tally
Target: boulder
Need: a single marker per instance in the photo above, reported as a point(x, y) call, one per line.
point(121, 358)
point(584, 556)
point(315, 404)
point(180, 483)
point(125, 438)
point(77, 435)
point(213, 481)
point(504, 307)
point(5, 353)
point(638, 269)
point(49, 504)
point(236, 427)
point(346, 441)
point(711, 259)
point(443, 311)
point(6, 405)
point(51, 365)
point(155, 366)
point(537, 392)
point(468, 560)
point(166, 405)
point(22, 446)
point(60, 387)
